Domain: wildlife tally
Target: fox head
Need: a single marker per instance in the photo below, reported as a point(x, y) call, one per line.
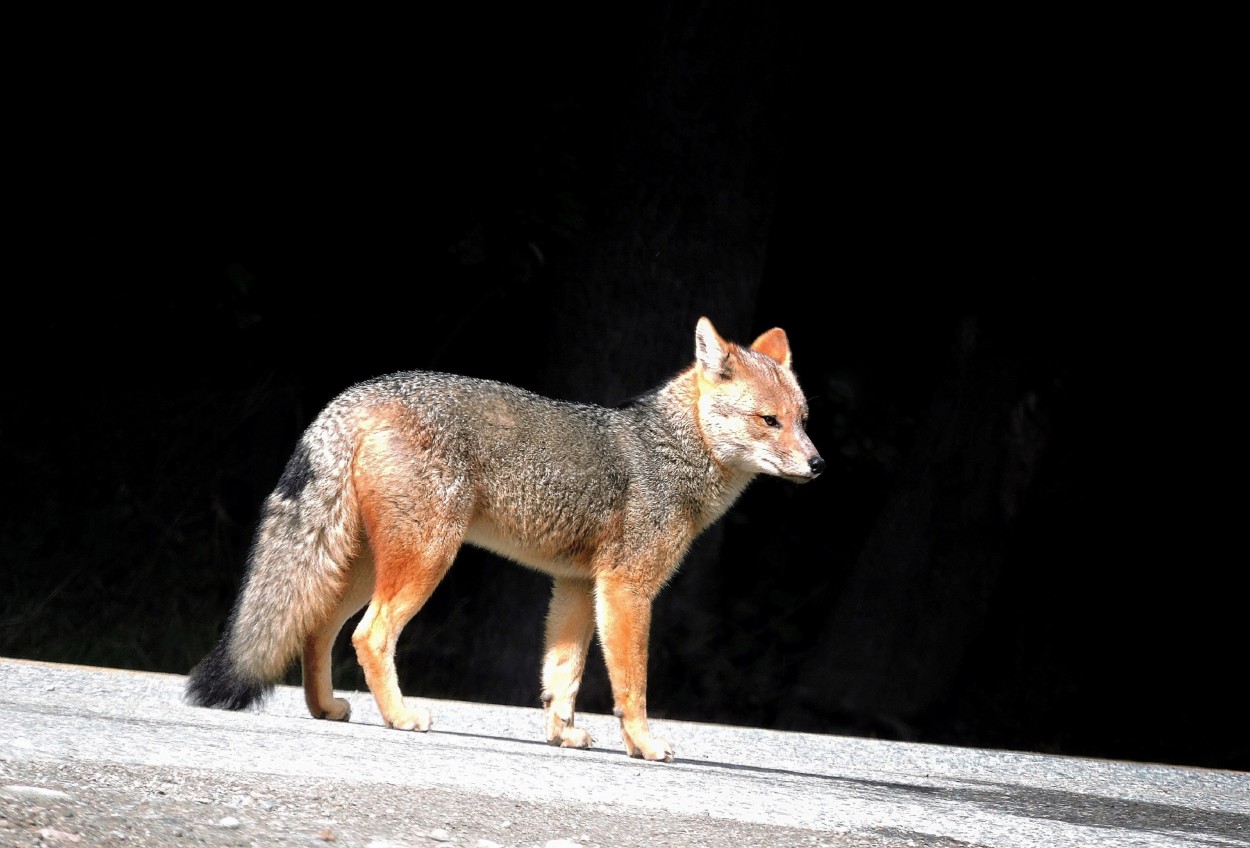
point(752, 412)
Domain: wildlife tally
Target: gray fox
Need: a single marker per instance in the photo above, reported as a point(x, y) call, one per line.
point(396, 473)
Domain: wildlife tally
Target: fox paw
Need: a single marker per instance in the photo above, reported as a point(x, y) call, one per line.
point(651, 748)
point(560, 729)
point(572, 737)
point(338, 710)
point(418, 720)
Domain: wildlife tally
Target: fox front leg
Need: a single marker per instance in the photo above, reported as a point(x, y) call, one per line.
point(570, 624)
point(624, 620)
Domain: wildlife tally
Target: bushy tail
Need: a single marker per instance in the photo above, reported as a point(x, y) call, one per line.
point(304, 545)
point(216, 682)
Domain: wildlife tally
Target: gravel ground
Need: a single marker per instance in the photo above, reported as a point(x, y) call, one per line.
point(43, 805)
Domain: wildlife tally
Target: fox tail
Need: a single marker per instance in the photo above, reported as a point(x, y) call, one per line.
point(296, 570)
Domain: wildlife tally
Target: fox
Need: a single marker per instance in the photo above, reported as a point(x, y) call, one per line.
point(396, 473)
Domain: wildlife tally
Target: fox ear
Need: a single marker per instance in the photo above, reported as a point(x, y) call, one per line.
point(775, 345)
point(711, 351)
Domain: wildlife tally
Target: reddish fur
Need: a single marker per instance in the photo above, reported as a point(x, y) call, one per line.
point(774, 344)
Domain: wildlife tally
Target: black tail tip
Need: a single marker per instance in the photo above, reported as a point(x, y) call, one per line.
point(215, 682)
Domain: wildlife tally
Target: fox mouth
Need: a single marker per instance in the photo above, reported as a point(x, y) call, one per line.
point(769, 466)
point(795, 477)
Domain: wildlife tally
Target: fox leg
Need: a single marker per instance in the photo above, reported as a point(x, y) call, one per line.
point(624, 619)
point(318, 681)
point(570, 624)
point(413, 522)
point(402, 587)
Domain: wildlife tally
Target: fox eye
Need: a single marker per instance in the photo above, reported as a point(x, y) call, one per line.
point(771, 420)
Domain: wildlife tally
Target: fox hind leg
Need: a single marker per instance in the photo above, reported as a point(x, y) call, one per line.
point(570, 626)
point(317, 659)
point(404, 582)
point(414, 512)
point(393, 606)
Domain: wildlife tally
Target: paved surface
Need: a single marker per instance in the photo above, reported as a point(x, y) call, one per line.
point(105, 757)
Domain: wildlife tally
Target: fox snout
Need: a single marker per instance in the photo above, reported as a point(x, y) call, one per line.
point(802, 457)
point(817, 465)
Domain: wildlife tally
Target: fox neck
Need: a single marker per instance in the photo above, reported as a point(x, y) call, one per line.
point(712, 486)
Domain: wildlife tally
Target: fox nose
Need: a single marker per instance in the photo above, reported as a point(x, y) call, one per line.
point(817, 464)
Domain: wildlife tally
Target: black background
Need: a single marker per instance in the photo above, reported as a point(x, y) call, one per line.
point(217, 228)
